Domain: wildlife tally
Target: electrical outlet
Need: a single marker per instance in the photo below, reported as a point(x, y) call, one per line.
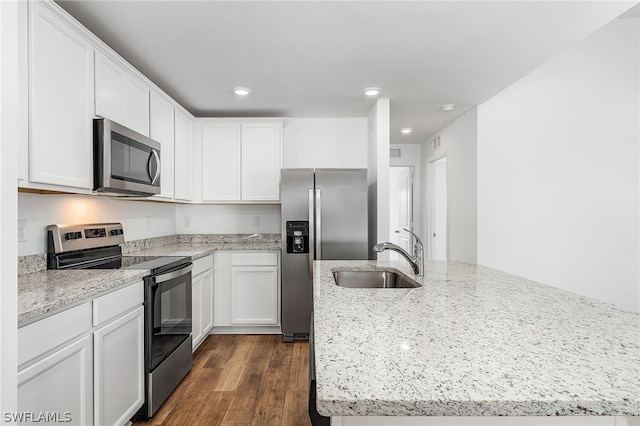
point(148, 223)
point(23, 234)
point(187, 221)
point(255, 221)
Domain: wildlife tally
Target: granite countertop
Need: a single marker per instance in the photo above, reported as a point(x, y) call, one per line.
point(46, 292)
point(200, 249)
point(472, 341)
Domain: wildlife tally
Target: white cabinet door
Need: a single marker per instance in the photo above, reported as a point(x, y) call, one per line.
point(161, 130)
point(60, 384)
point(241, 161)
point(254, 295)
point(61, 101)
point(136, 105)
point(120, 96)
point(202, 307)
point(110, 81)
point(221, 289)
point(119, 369)
point(207, 303)
point(221, 162)
point(261, 161)
point(183, 156)
point(196, 303)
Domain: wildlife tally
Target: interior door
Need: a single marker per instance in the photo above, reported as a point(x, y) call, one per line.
point(400, 208)
point(437, 196)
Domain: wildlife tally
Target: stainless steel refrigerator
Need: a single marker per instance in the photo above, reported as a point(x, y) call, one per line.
point(324, 216)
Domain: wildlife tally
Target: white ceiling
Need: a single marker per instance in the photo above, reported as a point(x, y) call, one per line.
point(314, 58)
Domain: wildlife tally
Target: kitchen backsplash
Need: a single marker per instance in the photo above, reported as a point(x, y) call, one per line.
point(148, 243)
point(229, 238)
point(32, 263)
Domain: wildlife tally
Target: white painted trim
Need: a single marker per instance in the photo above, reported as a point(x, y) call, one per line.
point(435, 156)
point(9, 138)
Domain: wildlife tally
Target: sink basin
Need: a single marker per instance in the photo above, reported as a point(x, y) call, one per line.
point(373, 279)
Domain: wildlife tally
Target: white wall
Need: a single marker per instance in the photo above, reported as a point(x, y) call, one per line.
point(9, 137)
point(325, 142)
point(378, 145)
point(140, 219)
point(458, 141)
point(558, 180)
point(228, 219)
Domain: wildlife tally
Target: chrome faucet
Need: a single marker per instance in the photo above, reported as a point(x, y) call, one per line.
point(416, 261)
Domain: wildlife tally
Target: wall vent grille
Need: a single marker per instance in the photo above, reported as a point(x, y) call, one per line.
point(435, 143)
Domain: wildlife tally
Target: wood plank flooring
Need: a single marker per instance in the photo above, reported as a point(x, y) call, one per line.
point(241, 380)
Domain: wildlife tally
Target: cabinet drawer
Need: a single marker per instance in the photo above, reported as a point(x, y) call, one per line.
point(202, 265)
point(39, 337)
point(113, 304)
point(254, 259)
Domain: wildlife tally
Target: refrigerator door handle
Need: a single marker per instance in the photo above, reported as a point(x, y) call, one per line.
point(312, 240)
point(318, 220)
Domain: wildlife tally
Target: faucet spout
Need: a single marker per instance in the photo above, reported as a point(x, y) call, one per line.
point(414, 261)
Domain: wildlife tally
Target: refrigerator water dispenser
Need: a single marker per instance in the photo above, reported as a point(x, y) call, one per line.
point(298, 236)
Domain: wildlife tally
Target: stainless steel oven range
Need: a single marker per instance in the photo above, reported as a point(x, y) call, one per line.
point(167, 299)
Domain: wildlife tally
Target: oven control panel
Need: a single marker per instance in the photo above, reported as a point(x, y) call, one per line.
point(64, 238)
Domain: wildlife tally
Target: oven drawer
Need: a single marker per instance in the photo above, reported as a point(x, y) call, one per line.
point(117, 302)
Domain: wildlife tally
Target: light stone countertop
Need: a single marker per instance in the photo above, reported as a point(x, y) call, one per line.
point(44, 293)
point(472, 341)
point(199, 249)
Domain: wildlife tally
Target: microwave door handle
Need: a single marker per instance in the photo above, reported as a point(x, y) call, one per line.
point(154, 154)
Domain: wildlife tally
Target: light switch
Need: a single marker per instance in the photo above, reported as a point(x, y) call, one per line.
point(255, 221)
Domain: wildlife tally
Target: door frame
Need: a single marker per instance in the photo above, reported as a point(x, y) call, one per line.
point(429, 166)
point(411, 225)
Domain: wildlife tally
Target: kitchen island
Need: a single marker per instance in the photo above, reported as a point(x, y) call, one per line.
point(471, 342)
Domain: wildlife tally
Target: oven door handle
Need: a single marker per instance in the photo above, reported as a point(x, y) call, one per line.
point(171, 275)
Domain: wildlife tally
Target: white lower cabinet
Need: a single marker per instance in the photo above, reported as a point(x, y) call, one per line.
point(247, 292)
point(202, 299)
point(118, 373)
point(59, 386)
point(84, 365)
point(254, 295)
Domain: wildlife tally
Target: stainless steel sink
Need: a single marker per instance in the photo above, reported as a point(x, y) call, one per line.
point(373, 279)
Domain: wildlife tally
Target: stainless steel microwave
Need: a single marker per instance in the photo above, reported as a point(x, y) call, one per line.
point(125, 163)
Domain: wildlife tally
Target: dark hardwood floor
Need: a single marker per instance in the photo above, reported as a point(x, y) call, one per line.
point(241, 380)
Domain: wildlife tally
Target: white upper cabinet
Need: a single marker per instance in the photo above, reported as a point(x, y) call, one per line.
point(60, 100)
point(241, 161)
point(183, 157)
point(161, 129)
point(120, 96)
point(261, 161)
point(221, 162)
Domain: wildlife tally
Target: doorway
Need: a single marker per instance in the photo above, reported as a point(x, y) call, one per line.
point(400, 208)
point(437, 208)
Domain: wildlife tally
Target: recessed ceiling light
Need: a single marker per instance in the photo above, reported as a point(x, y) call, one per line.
point(448, 107)
point(241, 91)
point(372, 91)
point(406, 130)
